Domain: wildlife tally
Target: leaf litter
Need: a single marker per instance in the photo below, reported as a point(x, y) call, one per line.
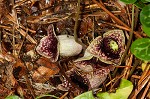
point(24, 72)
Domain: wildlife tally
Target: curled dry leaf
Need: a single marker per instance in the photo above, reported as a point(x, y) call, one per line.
point(86, 73)
point(4, 92)
point(6, 69)
point(19, 69)
point(86, 25)
point(45, 71)
point(42, 74)
point(7, 57)
point(42, 88)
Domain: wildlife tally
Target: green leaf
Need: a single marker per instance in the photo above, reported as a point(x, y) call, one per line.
point(122, 92)
point(13, 97)
point(145, 66)
point(129, 1)
point(85, 95)
point(139, 4)
point(145, 1)
point(146, 30)
point(141, 48)
point(145, 16)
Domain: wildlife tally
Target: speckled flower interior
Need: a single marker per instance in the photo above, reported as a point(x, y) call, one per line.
point(109, 48)
point(87, 73)
point(48, 46)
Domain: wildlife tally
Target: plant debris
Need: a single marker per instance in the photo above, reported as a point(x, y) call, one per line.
point(29, 34)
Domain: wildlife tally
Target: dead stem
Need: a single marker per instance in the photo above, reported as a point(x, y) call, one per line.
point(21, 46)
point(137, 61)
point(129, 41)
point(0, 41)
point(29, 86)
point(122, 27)
point(40, 19)
point(136, 17)
point(129, 16)
point(146, 90)
point(20, 3)
point(77, 21)
point(6, 27)
point(126, 71)
point(115, 80)
point(108, 12)
point(21, 31)
point(135, 76)
point(114, 17)
point(14, 15)
point(144, 79)
point(28, 83)
point(123, 66)
point(64, 95)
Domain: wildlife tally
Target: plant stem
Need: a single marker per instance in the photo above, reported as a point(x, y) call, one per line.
point(77, 21)
point(131, 35)
point(137, 61)
point(129, 41)
point(76, 26)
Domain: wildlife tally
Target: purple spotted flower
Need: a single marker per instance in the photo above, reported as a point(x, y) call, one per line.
point(109, 48)
point(86, 73)
point(48, 46)
point(51, 46)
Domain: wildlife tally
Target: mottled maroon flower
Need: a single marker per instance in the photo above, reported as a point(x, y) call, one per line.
point(109, 48)
point(87, 74)
point(48, 46)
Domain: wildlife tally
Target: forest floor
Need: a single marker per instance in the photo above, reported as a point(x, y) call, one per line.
point(26, 73)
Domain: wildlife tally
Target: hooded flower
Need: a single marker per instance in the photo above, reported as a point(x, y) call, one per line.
point(87, 74)
point(48, 46)
point(109, 48)
point(51, 46)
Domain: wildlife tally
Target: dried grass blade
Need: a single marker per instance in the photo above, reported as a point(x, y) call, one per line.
point(141, 84)
point(146, 90)
point(21, 31)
